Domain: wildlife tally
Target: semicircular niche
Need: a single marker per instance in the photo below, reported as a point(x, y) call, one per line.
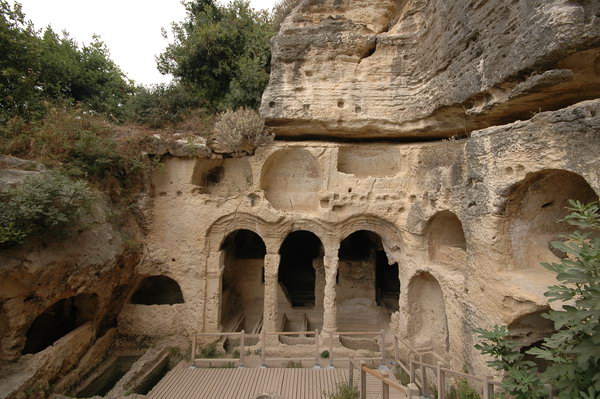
point(291, 180)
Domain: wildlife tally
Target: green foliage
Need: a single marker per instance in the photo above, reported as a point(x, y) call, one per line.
point(573, 351)
point(463, 390)
point(401, 375)
point(291, 364)
point(221, 52)
point(344, 391)
point(210, 351)
point(46, 203)
point(239, 132)
point(161, 105)
point(81, 144)
point(37, 67)
point(325, 355)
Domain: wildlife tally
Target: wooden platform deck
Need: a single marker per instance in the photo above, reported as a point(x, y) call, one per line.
point(249, 383)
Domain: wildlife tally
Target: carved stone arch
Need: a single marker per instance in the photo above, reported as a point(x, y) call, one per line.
point(225, 225)
point(391, 238)
point(533, 209)
point(322, 232)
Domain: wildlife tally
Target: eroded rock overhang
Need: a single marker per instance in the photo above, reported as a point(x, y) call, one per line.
point(418, 70)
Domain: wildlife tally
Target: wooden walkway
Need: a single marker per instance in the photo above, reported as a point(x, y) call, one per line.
point(250, 383)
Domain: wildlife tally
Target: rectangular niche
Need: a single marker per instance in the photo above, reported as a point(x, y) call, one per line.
point(363, 161)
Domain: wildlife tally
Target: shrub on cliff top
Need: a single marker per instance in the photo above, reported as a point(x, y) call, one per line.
point(239, 133)
point(281, 10)
point(45, 203)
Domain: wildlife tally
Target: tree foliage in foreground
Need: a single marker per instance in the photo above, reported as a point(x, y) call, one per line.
point(221, 53)
point(573, 351)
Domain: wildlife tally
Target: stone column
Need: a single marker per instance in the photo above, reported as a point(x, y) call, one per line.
point(212, 308)
point(329, 312)
point(270, 313)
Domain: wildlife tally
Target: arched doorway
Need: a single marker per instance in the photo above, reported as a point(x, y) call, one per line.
point(301, 282)
point(242, 292)
point(368, 287)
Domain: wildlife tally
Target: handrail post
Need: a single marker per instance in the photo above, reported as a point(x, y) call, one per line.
point(193, 355)
point(413, 371)
point(385, 388)
point(441, 383)
point(350, 373)
point(488, 388)
point(549, 390)
point(242, 348)
point(424, 377)
point(263, 356)
point(331, 350)
point(382, 348)
point(363, 381)
point(413, 391)
point(317, 354)
point(396, 351)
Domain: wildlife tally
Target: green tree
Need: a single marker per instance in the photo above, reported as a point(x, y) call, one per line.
point(39, 67)
point(573, 351)
point(20, 62)
point(221, 52)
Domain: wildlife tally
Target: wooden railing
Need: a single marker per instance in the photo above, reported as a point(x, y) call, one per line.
point(417, 369)
point(411, 391)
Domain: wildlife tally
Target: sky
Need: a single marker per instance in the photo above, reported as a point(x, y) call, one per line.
point(130, 28)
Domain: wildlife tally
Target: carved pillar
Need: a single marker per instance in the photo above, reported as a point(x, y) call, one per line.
point(329, 304)
point(270, 315)
point(212, 308)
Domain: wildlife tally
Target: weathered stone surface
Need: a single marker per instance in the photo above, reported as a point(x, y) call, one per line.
point(427, 69)
point(97, 261)
point(478, 279)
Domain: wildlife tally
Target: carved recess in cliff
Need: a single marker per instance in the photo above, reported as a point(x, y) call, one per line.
point(368, 162)
point(368, 287)
point(291, 179)
point(58, 320)
point(427, 319)
point(157, 290)
point(412, 68)
point(534, 207)
point(222, 177)
point(446, 240)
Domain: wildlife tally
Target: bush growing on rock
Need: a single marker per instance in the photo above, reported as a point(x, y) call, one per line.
point(281, 10)
point(45, 203)
point(573, 351)
point(239, 133)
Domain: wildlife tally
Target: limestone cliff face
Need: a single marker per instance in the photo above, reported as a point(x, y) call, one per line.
point(428, 68)
point(59, 299)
